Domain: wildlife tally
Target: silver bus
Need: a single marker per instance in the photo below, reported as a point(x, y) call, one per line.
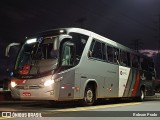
point(76, 64)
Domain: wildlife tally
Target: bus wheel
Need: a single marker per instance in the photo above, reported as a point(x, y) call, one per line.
point(89, 96)
point(141, 96)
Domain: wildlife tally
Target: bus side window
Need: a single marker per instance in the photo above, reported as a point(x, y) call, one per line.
point(104, 51)
point(135, 61)
point(110, 54)
point(124, 58)
point(151, 66)
point(144, 65)
point(147, 64)
point(90, 52)
point(95, 50)
point(116, 55)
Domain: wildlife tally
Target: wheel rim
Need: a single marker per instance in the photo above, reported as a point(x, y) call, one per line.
point(89, 96)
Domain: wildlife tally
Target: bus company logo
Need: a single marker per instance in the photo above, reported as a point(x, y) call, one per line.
point(123, 73)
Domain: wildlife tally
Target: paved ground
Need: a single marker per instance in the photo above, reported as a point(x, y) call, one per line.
point(121, 110)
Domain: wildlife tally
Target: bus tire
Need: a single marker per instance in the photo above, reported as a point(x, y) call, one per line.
point(89, 96)
point(141, 97)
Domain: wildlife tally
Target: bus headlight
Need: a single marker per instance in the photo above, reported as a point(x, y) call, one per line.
point(48, 82)
point(13, 84)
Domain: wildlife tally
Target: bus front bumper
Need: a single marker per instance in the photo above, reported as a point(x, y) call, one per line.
point(35, 94)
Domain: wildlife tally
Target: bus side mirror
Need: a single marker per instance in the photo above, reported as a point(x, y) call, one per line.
point(9, 46)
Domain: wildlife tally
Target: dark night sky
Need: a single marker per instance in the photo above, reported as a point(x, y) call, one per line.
point(120, 20)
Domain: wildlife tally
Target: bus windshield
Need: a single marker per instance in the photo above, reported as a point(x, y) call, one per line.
point(37, 56)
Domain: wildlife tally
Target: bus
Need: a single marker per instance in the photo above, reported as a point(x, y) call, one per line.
point(8, 64)
point(76, 64)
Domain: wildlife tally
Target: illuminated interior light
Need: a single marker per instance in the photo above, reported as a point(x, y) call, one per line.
point(29, 41)
point(61, 31)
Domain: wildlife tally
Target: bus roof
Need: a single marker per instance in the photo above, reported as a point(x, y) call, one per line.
point(88, 33)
